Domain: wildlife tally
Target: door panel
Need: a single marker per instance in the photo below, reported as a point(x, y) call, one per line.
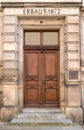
point(49, 65)
point(50, 77)
point(32, 88)
point(32, 64)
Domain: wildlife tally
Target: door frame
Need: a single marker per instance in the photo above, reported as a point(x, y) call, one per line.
point(49, 47)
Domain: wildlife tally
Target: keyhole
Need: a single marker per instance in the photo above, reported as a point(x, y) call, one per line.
point(41, 21)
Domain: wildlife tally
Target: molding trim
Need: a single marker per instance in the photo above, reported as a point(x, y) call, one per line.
point(41, 4)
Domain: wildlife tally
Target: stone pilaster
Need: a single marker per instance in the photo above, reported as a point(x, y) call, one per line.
point(72, 68)
point(10, 48)
point(10, 67)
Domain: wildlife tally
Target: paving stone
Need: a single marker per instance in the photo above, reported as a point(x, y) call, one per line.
point(1, 124)
point(18, 127)
point(65, 122)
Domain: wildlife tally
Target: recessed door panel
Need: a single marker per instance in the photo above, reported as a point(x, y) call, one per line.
point(32, 64)
point(49, 64)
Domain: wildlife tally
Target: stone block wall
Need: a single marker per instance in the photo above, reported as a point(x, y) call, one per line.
point(72, 68)
point(10, 48)
point(10, 67)
point(72, 52)
point(13, 61)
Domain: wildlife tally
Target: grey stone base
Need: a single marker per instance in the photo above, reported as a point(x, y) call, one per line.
point(75, 113)
point(65, 122)
point(39, 127)
point(8, 113)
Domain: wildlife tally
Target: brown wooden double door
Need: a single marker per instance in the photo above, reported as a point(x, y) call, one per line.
point(41, 87)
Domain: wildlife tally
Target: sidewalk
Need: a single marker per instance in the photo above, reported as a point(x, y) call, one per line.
point(7, 126)
point(1, 124)
point(83, 127)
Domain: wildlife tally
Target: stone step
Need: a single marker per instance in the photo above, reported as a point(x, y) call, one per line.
point(43, 110)
point(65, 122)
point(44, 116)
point(38, 115)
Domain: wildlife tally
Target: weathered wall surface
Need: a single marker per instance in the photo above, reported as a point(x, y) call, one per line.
point(1, 59)
point(10, 67)
point(72, 68)
point(41, 1)
point(82, 57)
point(15, 21)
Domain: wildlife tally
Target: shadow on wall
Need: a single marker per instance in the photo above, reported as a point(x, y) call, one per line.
point(1, 103)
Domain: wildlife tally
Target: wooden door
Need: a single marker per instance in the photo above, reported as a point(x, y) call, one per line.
point(41, 76)
point(32, 79)
point(50, 79)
